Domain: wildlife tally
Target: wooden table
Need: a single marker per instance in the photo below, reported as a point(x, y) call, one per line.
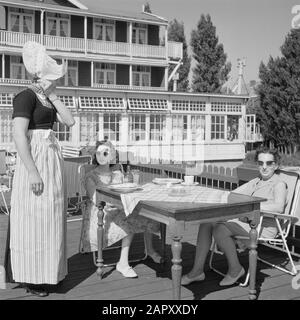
point(178, 215)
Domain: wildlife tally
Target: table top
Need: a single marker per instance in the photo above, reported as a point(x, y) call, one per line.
point(187, 211)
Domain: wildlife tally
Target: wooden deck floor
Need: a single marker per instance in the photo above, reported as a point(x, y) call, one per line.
point(154, 281)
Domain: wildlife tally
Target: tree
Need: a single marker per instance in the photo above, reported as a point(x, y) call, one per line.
point(279, 93)
point(176, 33)
point(147, 8)
point(211, 70)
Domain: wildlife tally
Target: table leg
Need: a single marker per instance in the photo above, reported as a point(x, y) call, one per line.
point(176, 267)
point(252, 260)
point(163, 229)
point(99, 261)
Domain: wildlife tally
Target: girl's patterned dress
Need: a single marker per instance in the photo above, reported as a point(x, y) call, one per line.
point(116, 224)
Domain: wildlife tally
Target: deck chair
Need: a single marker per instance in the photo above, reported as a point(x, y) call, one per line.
point(83, 170)
point(3, 187)
point(283, 221)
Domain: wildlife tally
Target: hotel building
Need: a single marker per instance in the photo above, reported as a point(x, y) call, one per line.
point(117, 83)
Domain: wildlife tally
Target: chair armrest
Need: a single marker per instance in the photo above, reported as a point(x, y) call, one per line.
point(282, 216)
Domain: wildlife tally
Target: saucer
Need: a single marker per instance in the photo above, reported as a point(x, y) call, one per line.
point(188, 184)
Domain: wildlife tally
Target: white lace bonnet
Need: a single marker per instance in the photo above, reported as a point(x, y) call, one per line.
point(39, 64)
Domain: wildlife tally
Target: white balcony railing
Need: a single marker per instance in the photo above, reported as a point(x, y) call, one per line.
point(146, 51)
point(17, 39)
point(127, 87)
point(108, 47)
point(14, 81)
point(95, 85)
point(64, 43)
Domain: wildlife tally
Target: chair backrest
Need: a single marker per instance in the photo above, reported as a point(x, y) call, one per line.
point(2, 162)
point(294, 209)
point(72, 178)
point(291, 178)
point(83, 170)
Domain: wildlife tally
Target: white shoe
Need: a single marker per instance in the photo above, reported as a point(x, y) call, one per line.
point(229, 280)
point(127, 271)
point(185, 280)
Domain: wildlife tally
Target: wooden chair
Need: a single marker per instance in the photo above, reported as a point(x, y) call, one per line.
point(283, 221)
point(83, 170)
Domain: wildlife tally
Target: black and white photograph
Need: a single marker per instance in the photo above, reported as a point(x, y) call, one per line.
point(149, 153)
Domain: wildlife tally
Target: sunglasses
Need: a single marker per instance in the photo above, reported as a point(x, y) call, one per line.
point(268, 163)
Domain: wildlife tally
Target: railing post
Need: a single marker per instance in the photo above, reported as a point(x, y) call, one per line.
point(3, 66)
point(85, 35)
point(42, 26)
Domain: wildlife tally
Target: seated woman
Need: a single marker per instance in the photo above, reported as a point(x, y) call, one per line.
point(268, 185)
point(116, 225)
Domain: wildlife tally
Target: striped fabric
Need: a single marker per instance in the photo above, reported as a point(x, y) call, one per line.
point(38, 223)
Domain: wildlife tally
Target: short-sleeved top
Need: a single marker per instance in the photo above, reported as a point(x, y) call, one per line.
point(27, 105)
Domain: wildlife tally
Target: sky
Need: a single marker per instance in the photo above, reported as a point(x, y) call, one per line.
point(251, 29)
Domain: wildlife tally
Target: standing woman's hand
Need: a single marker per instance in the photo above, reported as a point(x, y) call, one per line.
point(36, 183)
point(47, 86)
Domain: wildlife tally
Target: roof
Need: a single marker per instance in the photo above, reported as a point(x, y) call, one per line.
point(95, 8)
point(105, 6)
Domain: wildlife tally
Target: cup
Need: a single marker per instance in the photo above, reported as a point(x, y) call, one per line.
point(136, 176)
point(189, 180)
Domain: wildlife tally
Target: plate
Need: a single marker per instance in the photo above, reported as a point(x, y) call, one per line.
point(166, 180)
point(187, 184)
point(124, 187)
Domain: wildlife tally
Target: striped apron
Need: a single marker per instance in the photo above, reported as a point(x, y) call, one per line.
point(38, 223)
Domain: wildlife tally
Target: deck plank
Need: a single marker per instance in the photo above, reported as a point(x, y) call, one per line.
point(154, 281)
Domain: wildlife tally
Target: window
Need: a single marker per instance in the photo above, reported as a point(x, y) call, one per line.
point(71, 76)
point(20, 20)
point(232, 127)
point(17, 68)
point(58, 25)
point(6, 126)
point(111, 126)
point(105, 73)
point(141, 76)
point(89, 126)
point(137, 127)
point(157, 127)
point(217, 127)
point(104, 29)
point(62, 131)
point(179, 127)
point(139, 33)
point(198, 128)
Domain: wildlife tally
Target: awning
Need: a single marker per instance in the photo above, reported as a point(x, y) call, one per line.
point(147, 104)
point(103, 103)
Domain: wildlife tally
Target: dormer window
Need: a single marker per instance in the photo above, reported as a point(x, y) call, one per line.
point(104, 29)
point(139, 33)
point(58, 24)
point(20, 20)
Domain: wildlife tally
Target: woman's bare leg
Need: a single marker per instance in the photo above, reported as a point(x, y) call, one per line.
point(225, 242)
point(204, 241)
